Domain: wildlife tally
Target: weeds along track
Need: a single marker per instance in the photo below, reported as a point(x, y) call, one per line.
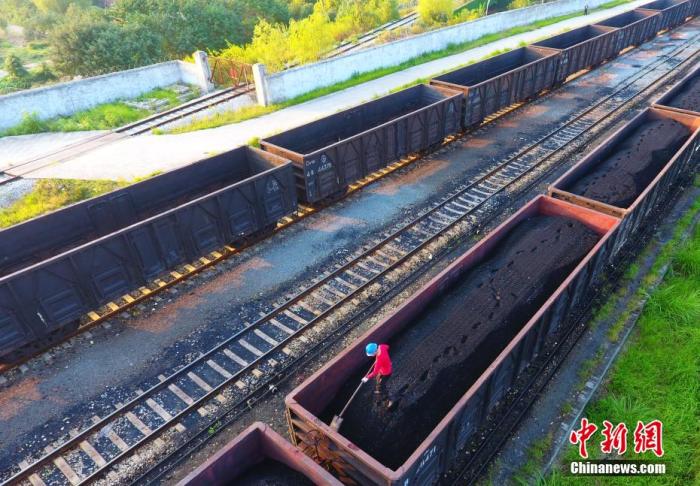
point(161, 424)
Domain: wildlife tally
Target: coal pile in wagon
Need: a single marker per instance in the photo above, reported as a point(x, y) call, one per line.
point(689, 97)
point(623, 175)
point(440, 355)
point(271, 473)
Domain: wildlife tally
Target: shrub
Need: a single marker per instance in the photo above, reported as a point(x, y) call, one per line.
point(432, 12)
point(14, 67)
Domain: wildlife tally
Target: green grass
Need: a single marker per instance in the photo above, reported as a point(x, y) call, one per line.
point(50, 194)
point(220, 119)
point(102, 117)
point(360, 78)
point(658, 376)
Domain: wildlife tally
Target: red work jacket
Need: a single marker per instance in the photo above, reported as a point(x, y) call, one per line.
point(382, 362)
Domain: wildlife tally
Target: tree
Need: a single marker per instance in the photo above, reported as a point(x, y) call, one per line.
point(86, 43)
point(15, 69)
point(432, 12)
point(187, 25)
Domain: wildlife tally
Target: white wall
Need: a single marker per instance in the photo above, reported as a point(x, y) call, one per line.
point(67, 98)
point(294, 82)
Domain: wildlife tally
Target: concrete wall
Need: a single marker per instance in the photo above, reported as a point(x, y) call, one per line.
point(68, 98)
point(294, 82)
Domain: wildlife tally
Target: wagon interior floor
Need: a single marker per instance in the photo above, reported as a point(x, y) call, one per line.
point(689, 97)
point(271, 473)
point(622, 176)
point(447, 347)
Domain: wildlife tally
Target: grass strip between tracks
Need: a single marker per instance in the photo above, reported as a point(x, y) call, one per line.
point(657, 376)
point(249, 112)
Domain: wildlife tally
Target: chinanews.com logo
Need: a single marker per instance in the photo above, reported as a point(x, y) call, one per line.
point(646, 437)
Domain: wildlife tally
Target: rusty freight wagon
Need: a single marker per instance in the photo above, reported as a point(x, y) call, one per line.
point(431, 443)
point(259, 454)
point(582, 48)
point(42, 237)
point(684, 97)
point(632, 173)
point(43, 301)
point(331, 153)
point(673, 12)
point(498, 82)
point(634, 27)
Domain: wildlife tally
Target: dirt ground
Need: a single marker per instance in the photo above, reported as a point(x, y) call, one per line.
point(689, 97)
point(271, 473)
point(450, 344)
point(621, 177)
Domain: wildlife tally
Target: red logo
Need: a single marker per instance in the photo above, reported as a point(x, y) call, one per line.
point(582, 435)
point(647, 437)
point(614, 438)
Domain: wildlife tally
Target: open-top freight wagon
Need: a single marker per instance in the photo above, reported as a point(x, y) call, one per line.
point(498, 82)
point(45, 236)
point(635, 170)
point(42, 302)
point(634, 27)
point(673, 12)
point(684, 97)
point(582, 48)
point(448, 402)
point(259, 455)
point(331, 153)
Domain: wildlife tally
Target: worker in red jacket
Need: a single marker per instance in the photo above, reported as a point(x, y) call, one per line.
point(382, 364)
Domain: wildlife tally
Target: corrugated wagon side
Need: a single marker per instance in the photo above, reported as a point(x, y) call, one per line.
point(634, 27)
point(442, 447)
point(42, 237)
point(671, 100)
point(498, 82)
point(252, 446)
point(681, 166)
point(49, 297)
point(582, 48)
point(331, 153)
point(673, 12)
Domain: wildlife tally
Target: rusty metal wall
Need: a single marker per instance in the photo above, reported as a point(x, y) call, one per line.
point(42, 237)
point(635, 27)
point(498, 82)
point(582, 48)
point(673, 12)
point(439, 450)
point(48, 297)
point(335, 151)
point(254, 444)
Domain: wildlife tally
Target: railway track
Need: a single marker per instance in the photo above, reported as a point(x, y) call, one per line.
point(183, 110)
point(263, 349)
point(371, 36)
